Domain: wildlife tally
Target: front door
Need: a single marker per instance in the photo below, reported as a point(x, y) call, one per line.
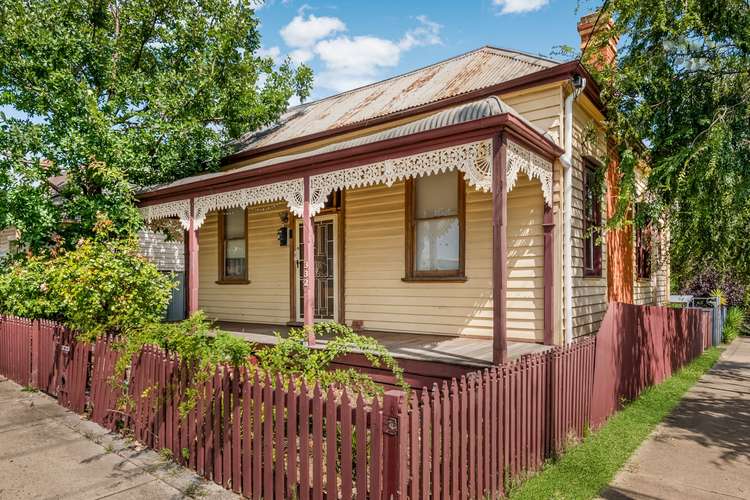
point(326, 300)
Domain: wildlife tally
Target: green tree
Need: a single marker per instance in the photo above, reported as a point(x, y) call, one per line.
point(119, 94)
point(679, 98)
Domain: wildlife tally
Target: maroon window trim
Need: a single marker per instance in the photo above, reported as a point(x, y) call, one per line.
point(592, 220)
point(643, 241)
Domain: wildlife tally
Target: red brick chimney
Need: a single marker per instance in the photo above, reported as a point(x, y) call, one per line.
point(601, 53)
point(602, 56)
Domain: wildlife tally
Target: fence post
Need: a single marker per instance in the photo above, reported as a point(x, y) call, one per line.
point(35, 338)
point(391, 448)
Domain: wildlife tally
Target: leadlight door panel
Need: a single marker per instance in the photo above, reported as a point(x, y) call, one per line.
point(325, 270)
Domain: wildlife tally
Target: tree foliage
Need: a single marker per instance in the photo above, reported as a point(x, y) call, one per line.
point(102, 286)
point(124, 91)
point(678, 97)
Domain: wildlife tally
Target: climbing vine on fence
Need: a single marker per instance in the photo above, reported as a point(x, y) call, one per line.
point(196, 342)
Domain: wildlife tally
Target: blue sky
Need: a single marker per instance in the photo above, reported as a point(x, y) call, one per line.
point(352, 43)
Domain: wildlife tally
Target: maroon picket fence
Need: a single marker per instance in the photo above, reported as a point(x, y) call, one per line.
point(271, 438)
point(464, 438)
point(259, 436)
point(15, 349)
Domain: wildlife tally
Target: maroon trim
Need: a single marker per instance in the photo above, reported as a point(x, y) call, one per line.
point(308, 269)
point(556, 73)
point(499, 250)
point(594, 270)
point(549, 275)
point(360, 155)
point(192, 263)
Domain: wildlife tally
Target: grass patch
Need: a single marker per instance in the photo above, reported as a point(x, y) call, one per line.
point(586, 469)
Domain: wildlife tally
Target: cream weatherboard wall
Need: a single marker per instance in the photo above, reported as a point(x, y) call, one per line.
point(375, 265)
point(266, 298)
point(589, 293)
point(653, 290)
point(544, 107)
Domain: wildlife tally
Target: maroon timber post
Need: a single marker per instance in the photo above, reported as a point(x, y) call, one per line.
point(35, 338)
point(308, 266)
point(499, 249)
point(392, 450)
point(192, 262)
point(549, 274)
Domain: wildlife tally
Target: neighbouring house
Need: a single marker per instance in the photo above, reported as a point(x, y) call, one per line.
point(8, 238)
point(167, 255)
point(449, 212)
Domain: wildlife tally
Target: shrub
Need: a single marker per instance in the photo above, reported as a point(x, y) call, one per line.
point(733, 324)
point(710, 281)
point(24, 290)
point(100, 287)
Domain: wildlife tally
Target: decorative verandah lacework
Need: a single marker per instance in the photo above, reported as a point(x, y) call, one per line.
point(292, 191)
point(473, 159)
point(179, 209)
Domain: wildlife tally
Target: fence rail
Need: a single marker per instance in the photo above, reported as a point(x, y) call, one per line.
point(269, 437)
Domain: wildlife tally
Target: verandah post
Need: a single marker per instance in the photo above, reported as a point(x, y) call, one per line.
point(549, 274)
point(192, 262)
point(499, 249)
point(392, 406)
point(308, 266)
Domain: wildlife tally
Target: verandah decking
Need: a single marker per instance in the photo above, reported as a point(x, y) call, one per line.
point(466, 352)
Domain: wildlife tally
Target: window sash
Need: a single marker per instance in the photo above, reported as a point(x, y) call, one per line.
point(233, 268)
point(592, 219)
point(413, 270)
point(643, 248)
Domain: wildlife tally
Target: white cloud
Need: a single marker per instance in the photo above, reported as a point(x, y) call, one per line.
point(273, 52)
point(301, 56)
point(303, 32)
point(361, 55)
point(426, 34)
point(519, 6)
point(350, 61)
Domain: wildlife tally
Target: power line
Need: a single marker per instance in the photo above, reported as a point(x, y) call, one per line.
point(593, 30)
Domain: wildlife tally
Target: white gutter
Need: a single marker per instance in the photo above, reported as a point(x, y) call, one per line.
point(579, 84)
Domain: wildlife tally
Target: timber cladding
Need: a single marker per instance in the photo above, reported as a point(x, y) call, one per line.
point(375, 267)
point(265, 299)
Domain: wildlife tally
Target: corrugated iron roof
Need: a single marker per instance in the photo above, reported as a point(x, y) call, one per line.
point(474, 70)
point(475, 110)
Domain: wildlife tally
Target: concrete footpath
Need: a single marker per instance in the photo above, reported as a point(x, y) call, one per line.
point(702, 450)
point(48, 452)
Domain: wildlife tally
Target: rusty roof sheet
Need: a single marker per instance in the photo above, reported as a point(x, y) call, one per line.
point(474, 70)
point(475, 110)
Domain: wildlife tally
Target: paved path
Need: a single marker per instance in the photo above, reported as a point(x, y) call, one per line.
point(47, 452)
point(702, 450)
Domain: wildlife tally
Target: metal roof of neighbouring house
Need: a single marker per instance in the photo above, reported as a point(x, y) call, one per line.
point(475, 70)
point(456, 115)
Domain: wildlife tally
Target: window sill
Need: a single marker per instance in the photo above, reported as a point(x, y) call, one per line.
point(593, 276)
point(232, 282)
point(435, 279)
